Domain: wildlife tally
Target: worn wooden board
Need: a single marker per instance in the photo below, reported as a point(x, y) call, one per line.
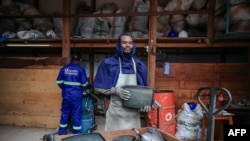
point(30, 105)
point(186, 78)
point(30, 121)
point(24, 62)
point(30, 97)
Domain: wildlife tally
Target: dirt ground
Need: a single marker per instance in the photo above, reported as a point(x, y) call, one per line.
point(16, 133)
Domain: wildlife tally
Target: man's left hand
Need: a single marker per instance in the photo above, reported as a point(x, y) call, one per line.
point(146, 108)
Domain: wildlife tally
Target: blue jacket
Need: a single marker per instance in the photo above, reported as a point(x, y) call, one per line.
point(108, 71)
point(72, 79)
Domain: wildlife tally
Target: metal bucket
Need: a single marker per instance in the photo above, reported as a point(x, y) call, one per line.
point(140, 96)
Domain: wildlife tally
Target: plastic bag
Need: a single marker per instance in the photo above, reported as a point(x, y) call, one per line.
point(188, 122)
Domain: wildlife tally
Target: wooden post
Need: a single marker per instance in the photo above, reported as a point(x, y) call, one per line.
point(66, 29)
point(152, 43)
point(210, 26)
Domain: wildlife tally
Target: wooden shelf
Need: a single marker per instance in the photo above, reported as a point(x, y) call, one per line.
point(103, 42)
point(242, 41)
point(32, 43)
point(109, 43)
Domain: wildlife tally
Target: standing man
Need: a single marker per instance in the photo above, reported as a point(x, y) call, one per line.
point(114, 72)
point(71, 79)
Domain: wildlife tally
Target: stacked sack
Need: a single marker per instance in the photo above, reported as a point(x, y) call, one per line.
point(138, 25)
point(239, 16)
point(24, 28)
point(193, 24)
point(102, 27)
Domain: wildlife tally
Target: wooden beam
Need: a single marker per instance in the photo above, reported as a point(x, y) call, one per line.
point(21, 62)
point(210, 22)
point(66, 29)
point(152, 44)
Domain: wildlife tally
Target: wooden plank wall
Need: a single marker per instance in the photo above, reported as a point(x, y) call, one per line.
point(30, 96)
point(186, 78)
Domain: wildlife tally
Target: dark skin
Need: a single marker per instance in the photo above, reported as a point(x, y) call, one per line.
point(126, 43)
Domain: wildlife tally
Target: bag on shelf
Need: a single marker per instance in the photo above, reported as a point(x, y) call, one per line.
point(239, 13)
point(41, 24)
point(196, 20)
point(242, 26)
point(219, 7)
point(163, 22)
point(101, 29)
point(174, 5)
point(118, 25)
point(198, 4)
point(139, 23)
point(109, 8)
point(85, 27)
point(177, 22)
point(219, 24)
point(58, 25)
point(30, 34)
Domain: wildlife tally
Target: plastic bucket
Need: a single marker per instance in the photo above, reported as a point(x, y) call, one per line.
point(164, 117)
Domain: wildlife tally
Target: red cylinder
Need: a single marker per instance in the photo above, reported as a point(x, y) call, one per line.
point(164, 117)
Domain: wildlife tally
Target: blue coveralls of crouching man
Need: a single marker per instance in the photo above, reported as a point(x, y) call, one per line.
point(72, 79)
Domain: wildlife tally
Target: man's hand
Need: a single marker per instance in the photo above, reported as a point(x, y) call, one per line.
point(122, 93)
point(146, 108)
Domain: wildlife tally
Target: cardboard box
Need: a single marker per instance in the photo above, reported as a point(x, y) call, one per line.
point(110, 135)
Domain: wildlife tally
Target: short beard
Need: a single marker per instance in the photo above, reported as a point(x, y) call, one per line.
point(126, 53)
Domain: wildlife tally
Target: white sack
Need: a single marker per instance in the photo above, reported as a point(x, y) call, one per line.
point(198, 4)
point(239, 12)
point(118, 25)
point(163, 26)
point(177, 22)
point(196, 20)
point(188, 123)
point(30, 34)
point(42, 24)
point(174, 5)
point(85, 27)
point(139, 23)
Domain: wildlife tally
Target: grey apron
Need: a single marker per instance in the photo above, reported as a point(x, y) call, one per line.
point(117, 116)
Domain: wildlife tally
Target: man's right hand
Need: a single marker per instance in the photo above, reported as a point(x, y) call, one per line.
point(122, 93)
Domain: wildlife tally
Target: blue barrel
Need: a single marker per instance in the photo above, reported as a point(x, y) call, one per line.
point(87, 114)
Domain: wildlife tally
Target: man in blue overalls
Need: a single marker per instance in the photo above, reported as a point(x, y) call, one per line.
point(71, 79)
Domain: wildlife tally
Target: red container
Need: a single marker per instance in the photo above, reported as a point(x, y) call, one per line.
point(164, 117)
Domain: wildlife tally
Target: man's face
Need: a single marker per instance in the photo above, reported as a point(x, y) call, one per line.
point(127, 44)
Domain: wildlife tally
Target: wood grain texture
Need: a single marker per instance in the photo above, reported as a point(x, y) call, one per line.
point(186, 78)
point(30, 96)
